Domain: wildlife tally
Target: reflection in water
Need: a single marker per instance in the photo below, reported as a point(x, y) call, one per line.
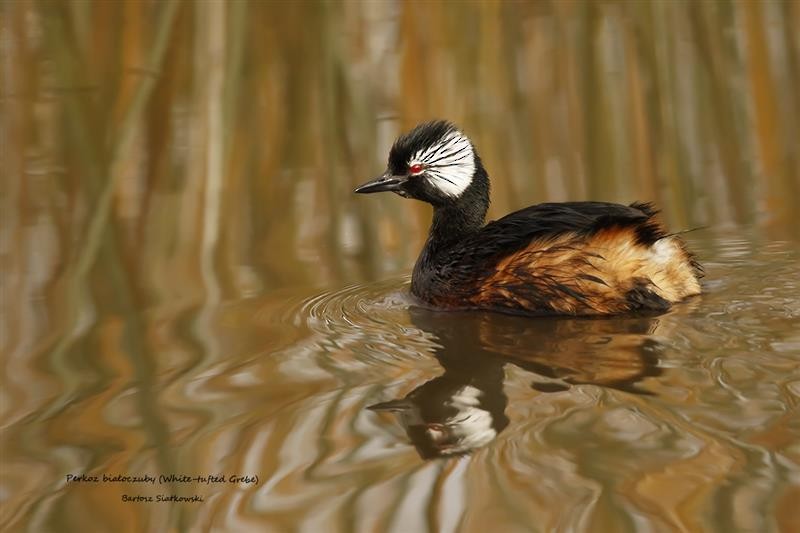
point(277, 386)
point(464, 408)
point(457, 412)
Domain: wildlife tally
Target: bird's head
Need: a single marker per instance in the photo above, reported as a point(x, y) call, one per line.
point(434, 162)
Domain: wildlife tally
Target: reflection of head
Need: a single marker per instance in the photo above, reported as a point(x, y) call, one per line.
point(463, 409)
point(450, 415)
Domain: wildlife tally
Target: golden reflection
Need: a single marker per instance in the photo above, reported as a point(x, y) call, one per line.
point(464, 408)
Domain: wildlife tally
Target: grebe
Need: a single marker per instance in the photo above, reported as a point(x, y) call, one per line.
point(572, 258)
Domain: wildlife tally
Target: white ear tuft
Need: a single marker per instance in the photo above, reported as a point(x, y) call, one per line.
point(450, 163)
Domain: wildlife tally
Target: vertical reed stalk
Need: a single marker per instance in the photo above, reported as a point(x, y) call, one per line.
point(763, 98)
point(214, 55)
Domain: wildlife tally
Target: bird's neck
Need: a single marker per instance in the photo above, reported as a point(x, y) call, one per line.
point(451, 225)
point(454, 221)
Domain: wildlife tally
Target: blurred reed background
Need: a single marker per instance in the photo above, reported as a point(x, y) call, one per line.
point(220, 140)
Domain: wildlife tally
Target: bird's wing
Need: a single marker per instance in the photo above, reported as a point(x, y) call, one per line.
point(551, 220)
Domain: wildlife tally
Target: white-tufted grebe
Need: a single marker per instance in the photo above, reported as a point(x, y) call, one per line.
point(572, 258)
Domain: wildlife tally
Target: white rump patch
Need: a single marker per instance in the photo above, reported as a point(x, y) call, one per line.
point(663, 251)
point(450, 164)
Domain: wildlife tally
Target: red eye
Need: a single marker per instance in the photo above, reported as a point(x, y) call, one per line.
point(416, 169)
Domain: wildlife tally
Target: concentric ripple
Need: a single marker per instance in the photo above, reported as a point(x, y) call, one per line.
point(367, 323)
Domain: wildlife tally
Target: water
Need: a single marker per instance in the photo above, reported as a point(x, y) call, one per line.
point(687, 420)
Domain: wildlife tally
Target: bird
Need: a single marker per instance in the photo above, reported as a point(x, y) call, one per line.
point(582, 258)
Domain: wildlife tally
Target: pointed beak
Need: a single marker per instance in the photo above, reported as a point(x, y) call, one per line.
point(385, 182)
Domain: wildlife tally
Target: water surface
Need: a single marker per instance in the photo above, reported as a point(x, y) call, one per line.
point(687, 420)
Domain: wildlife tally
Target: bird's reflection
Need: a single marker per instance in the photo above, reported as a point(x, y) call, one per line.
point(464, 408)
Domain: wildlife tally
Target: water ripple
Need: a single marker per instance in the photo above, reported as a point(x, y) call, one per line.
point(382, 415)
